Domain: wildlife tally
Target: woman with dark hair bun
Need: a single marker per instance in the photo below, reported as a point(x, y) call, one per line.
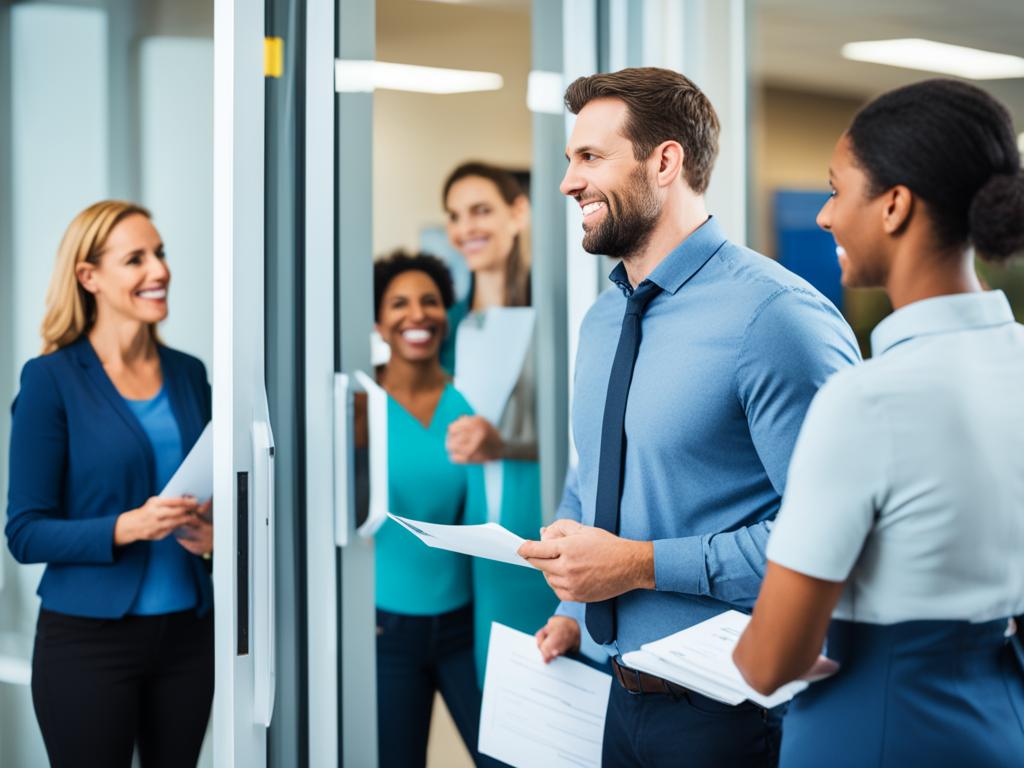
point(902, 527)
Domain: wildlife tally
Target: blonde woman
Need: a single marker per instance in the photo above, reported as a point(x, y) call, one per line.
point(124, 643)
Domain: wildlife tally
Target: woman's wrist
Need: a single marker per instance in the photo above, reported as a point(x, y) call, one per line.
point(124, 532)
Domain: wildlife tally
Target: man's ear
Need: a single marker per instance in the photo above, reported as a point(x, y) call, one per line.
point(669, 156)
point(897, 208)
point(85, 272)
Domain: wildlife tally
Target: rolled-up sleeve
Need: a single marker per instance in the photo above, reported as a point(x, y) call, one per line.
point(38, 529)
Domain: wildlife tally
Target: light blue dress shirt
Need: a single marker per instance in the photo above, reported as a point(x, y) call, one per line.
point(732, 352)
point(168, 584)
point(908, 478)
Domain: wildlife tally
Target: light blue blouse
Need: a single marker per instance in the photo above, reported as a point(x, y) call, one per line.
point(907, 480)
point(424, 485)
point(168, 584)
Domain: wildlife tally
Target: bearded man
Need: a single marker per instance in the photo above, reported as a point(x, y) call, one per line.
point(692, 380)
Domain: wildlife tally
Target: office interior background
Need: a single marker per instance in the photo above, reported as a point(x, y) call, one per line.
point(274, 192)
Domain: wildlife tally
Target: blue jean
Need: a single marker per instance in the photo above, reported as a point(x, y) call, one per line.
point(651, 730)
point(418, 656)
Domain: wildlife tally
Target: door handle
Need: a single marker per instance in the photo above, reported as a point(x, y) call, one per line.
point(264, 662)
point(344, 468)
point(360, 456)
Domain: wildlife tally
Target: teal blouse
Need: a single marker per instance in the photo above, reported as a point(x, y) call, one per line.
point(424, 485)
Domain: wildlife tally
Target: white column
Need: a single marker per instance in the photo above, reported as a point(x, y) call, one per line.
point(707, 40)
point(583, 269)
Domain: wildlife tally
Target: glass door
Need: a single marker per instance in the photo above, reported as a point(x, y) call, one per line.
point(244, 450)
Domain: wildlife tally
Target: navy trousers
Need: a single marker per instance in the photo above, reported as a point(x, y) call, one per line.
point(942, 694)
point(418, 656)
point(652, 730)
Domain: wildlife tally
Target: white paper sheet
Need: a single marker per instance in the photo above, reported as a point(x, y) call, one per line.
point(490, 351)
point(701, 658)
point(377, 427)
point(489, 356)
point(194, 477)
point(489, 540)
point(537, 714)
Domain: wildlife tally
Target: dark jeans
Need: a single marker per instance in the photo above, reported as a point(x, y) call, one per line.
point(416, 657)
point(101, 685)
point(651, 730)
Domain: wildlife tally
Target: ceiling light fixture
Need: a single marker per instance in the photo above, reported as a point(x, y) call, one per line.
point(352, 76)
point(930, 56)
point(545, 92)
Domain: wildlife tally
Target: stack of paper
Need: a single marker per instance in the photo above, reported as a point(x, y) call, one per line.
point(537, 714)
point(700, 658)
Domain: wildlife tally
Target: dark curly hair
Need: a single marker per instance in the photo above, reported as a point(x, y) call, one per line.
point(388, 268)
point(951, 144)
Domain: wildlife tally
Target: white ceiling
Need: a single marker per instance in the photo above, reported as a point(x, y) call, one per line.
point(797, 42)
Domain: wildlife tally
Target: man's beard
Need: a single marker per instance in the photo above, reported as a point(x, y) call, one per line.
point(625, 229)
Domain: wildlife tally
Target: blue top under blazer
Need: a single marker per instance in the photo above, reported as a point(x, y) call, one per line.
point(79, 458)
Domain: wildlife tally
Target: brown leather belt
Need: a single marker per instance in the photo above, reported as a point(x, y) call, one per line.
point(635, 681)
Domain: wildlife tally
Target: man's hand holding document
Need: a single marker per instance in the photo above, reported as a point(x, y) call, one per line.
point(700, 658)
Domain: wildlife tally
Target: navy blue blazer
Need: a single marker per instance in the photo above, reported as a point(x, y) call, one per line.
point(79, 458)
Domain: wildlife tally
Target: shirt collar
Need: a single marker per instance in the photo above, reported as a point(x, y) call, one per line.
point(682, 262)
point(941, 314)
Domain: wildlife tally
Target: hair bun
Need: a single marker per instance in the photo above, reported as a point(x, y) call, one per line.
point(996, 217)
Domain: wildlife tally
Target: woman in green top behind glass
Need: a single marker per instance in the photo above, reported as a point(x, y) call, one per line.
point(488, 222)
point(424, 595)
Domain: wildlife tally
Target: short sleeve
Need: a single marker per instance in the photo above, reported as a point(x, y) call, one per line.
point(836, 483)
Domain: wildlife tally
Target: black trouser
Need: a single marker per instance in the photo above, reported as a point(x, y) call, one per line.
point(100, 686)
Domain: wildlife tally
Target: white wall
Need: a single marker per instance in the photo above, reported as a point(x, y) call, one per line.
point(176, 105)
point(419, 138)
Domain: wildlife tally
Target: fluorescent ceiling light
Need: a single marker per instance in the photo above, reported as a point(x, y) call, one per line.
point(366, 76)
point(545, 92)
point(916, 53)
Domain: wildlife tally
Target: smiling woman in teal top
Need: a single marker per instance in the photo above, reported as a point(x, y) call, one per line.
point(424, 595)
point(424, 485)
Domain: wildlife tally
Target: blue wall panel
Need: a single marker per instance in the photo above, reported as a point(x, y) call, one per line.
point(803, 247)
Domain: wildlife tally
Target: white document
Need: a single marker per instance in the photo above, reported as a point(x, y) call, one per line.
point(490, 350)
point(489, 540)
point(194, 477)
point(537, 714)
point(700, 658)
point(377, 428)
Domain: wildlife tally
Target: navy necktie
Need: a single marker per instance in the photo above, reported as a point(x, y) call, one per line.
point(600, 616)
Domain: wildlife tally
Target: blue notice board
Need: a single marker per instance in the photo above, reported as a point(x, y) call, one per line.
point(803, 247)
